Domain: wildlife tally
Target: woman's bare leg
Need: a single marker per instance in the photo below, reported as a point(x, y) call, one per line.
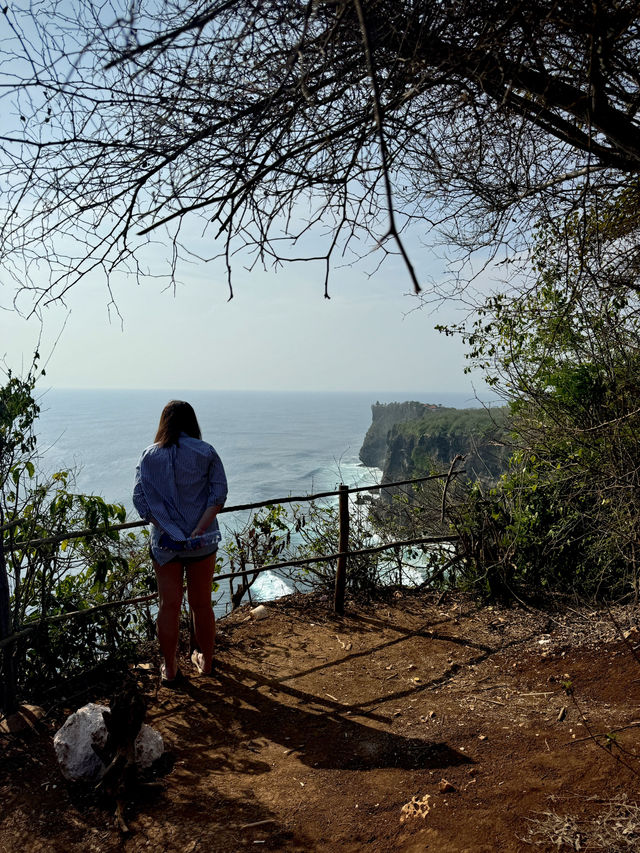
point(199, 581)
point(168, 622)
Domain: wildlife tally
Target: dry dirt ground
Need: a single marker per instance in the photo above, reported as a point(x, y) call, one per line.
point(412, 724)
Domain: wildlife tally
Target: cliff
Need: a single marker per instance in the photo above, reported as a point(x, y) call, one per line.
point(385, 416)
point(415, 439)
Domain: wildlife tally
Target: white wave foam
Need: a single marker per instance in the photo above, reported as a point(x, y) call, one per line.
point(268, 586)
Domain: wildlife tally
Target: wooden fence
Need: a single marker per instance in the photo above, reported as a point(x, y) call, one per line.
point(340, 557)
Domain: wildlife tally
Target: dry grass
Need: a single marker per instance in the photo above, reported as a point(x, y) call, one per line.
point(615, 830)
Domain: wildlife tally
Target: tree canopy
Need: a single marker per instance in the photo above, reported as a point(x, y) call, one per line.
point(269, 121)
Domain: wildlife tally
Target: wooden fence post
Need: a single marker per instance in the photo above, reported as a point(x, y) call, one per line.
point(343, 547)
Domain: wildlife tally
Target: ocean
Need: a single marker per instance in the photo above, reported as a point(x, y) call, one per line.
point(272, 444)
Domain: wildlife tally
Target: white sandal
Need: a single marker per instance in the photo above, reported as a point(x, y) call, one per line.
point(197, 659)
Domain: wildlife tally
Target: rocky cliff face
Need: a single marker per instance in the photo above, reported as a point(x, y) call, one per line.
point(411, 455)
point(384, 416)
point(414, 439)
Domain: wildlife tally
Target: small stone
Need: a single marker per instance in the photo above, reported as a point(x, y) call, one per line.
point(562, 713)
point(446, 787)
point(415, 808)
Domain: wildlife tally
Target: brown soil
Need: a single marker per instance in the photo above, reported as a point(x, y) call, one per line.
point(408, 725)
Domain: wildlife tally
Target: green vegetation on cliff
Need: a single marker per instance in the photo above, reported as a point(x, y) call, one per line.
point(429, 444)
point(478, 423)
point(411, 439)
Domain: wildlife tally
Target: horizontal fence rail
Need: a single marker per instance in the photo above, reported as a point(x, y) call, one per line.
point(341, 556)
point(29, 627)
point(130, 525)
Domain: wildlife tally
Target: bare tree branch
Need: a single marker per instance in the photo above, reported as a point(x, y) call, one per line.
point(302, 123)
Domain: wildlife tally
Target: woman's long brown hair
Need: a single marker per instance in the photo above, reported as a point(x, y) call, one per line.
point(177, 416)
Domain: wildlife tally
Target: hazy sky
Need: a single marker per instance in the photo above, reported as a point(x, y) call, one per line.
point(278, 333)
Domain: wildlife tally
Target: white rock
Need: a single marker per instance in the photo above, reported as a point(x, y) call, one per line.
point(73, 744)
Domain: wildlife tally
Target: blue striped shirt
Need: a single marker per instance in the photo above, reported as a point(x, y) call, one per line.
point(174, 486)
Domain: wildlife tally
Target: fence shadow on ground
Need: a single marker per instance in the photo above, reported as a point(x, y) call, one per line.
point(245, 708)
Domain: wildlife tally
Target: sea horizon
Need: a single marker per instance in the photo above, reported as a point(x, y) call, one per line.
point(278, 429)
point(386, 393)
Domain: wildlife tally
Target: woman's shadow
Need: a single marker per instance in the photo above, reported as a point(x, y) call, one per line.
point(246, 708)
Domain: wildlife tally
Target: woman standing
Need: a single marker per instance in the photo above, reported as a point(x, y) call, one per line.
point(180, 488)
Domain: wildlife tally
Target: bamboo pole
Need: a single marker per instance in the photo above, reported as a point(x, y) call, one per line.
point(343, 547)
